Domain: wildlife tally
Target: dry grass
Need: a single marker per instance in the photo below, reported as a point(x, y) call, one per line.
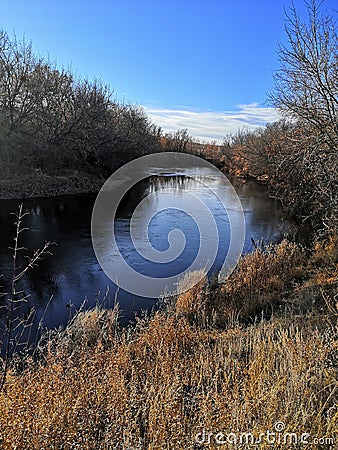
point(320, 289)
point(193, 304)
point(261, 283)
point(156, 385)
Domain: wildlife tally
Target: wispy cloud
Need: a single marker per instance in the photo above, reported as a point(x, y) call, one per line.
point(212, 125)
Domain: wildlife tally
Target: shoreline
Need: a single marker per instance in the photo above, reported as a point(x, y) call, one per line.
point(39, 184)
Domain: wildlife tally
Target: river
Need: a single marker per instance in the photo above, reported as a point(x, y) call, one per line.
point(72, 277)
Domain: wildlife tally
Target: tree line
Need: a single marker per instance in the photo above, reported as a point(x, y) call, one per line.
point(51, 119)
point(298, 155)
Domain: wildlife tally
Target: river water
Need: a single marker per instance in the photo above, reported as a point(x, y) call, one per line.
point(72, 277)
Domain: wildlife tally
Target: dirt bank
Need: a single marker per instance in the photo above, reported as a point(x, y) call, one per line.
point(38, 184)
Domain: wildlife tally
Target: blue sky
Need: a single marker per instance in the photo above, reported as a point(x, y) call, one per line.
point(205, 65)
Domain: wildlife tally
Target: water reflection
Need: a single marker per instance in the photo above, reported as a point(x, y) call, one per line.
point(72, 274)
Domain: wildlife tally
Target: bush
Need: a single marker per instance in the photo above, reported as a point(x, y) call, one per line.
point(260, 281)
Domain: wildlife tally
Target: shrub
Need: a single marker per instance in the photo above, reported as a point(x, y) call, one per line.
point(260, 282)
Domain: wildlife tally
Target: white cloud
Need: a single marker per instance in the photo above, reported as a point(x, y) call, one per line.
point(212, 125)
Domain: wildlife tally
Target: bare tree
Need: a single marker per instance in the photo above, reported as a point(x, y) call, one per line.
point(179, 141)
point(306, 84)
point(306, 89)
point(17, 63)
point(52, 120)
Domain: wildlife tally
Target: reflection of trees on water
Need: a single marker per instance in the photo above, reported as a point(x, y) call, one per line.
point(150, 185)
point(175, 183)
point(72, 273)
point(262, 213)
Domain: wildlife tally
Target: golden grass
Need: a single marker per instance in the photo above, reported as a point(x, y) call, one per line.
point(158, 384)
point(259, 285)
point(261, 280)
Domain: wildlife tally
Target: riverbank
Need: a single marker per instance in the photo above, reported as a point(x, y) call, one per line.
point(39, 184)
point(177, 380)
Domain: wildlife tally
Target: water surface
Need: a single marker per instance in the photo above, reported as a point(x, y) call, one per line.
point(71, 276)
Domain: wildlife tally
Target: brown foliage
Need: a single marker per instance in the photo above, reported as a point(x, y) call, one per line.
point(159, 385)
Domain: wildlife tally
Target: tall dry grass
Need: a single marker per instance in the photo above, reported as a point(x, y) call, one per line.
point(261, 283)
point(158, 384)
point(162, 383)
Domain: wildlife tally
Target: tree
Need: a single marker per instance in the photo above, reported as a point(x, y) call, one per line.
point(178, 141)
point(17, 63)
point(50, 119)
point(306, 84)
point(306, 89)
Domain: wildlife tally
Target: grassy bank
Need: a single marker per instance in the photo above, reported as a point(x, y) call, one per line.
point(236, 358)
